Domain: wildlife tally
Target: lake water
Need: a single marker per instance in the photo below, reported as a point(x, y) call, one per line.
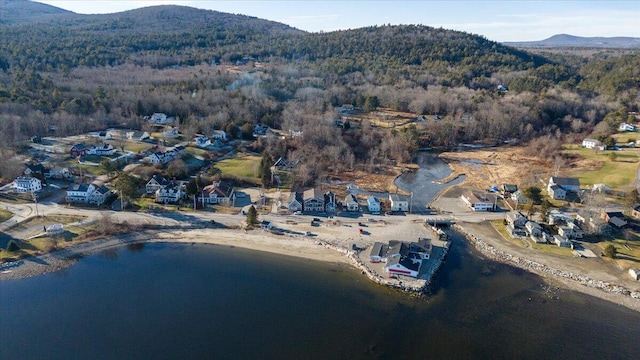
point(423, 181)
point(183, 301)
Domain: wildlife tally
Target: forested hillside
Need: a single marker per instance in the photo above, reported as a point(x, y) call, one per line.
point(213, 70)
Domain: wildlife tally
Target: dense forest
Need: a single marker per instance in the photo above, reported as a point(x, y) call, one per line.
point(212, 70)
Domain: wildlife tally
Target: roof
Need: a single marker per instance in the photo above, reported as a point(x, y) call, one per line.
point(373, 200)
point(510, 187)
point(103, 190)
point(37, 168)
point(312, 193)
point(404, 261)
point(295, 196)
point(556, 188)
point(618, 222)
point(159, 179)
point(397, 197)
point(378, 249)
point(563, 181)
point(221, 188)
point(80, 146)
point(79, 187)
point(350, 198)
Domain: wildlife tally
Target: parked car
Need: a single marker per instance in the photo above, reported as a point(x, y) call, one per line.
point(297, 213)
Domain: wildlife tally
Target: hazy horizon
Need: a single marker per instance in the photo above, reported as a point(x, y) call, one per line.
point(496, 20)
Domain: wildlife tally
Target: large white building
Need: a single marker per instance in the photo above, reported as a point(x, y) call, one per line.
point(26, 184)
point(374, 205)
point(477, 203)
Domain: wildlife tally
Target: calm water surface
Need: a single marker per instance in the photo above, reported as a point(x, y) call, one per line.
point(202, 301)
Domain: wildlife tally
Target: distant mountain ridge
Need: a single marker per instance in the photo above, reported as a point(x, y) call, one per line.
point(565, 40)
point(21, 11)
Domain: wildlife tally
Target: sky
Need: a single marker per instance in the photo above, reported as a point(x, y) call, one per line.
point(517, 20)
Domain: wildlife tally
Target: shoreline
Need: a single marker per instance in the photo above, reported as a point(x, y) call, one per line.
point(613, 293)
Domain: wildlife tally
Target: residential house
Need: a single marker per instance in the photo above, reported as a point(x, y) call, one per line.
point(566, 232)
point(283, 164)
point(219, 135)
point(78, 150)
point(163, 157)
point(516, 231)
point(202, 141)
point(508, 189)
point(378, 252)
point(156, 182)
point(260, 130)
point(591, 143)
point(101, 150)
point(398, 202)
point(477, 203)
point(373, 205)
point(601, 189)
point(313, 200)
point(401, 265)
point(104, 135)
point(635, 273)
point(556, 192)
point(626, 127)
point(533, 228)
point(330, 201)
point(567, 184)
point(346, 109)
point(33, 170)
point(170, 193)
point(406, 258)
point(515, 218)
point(160, 119)
point(351, 203)
point(295, 201)
point(220, 192)
point(519, 197)
point(58, 173)
point(171, 133)
point(26, 184)
point(137, 135)
point(562, 241)
point(100, 195)
point(615, 218)
point(80, 193)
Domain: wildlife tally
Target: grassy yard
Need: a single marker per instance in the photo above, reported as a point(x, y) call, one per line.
point(136, 147)
point(243, 166)
point(502, 229)
point(551, 249)
point(619, 174)
point(5, 215)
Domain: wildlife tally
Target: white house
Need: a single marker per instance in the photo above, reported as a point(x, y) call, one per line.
point(295, 202)
point(556, 192)
point(515, 218)
point(401, 265)
point(100, 195)
point(137, 135)
point(58, 173)
point(313, 200)
point(374, 205)
point(626, 127)
point(25, 184)
point(476, 203)
point(635, 273)
point(156, 182)
point(202, 141)
point(519, 197)
point(591, 143)
point(170, 193)
point(160, 119)
point(568, 184)
point(533, 228)
point(218, 193)
point(351, 203)
point(171, 133)
point(80, 193)
point(219, 135)
point(102, 150)
point(398, 202)
point(561, 241)
point(378, 252)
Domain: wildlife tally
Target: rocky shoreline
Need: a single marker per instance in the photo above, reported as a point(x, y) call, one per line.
point(542, 269)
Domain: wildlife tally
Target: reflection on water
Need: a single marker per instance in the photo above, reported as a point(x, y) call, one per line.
point(423, 182)
point(182, 301)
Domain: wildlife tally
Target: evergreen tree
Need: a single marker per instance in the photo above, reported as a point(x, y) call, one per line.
point(252, 216)
point(265, 169)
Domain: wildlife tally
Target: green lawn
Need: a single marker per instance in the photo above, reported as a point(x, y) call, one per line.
point(5, 215)
point(619, 174)
point(546, 248)
point(243, 166)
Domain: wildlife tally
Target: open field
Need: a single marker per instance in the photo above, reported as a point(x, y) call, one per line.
point(495, 166)
point(545, 248)
point(594, 167)
point(243, 166)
